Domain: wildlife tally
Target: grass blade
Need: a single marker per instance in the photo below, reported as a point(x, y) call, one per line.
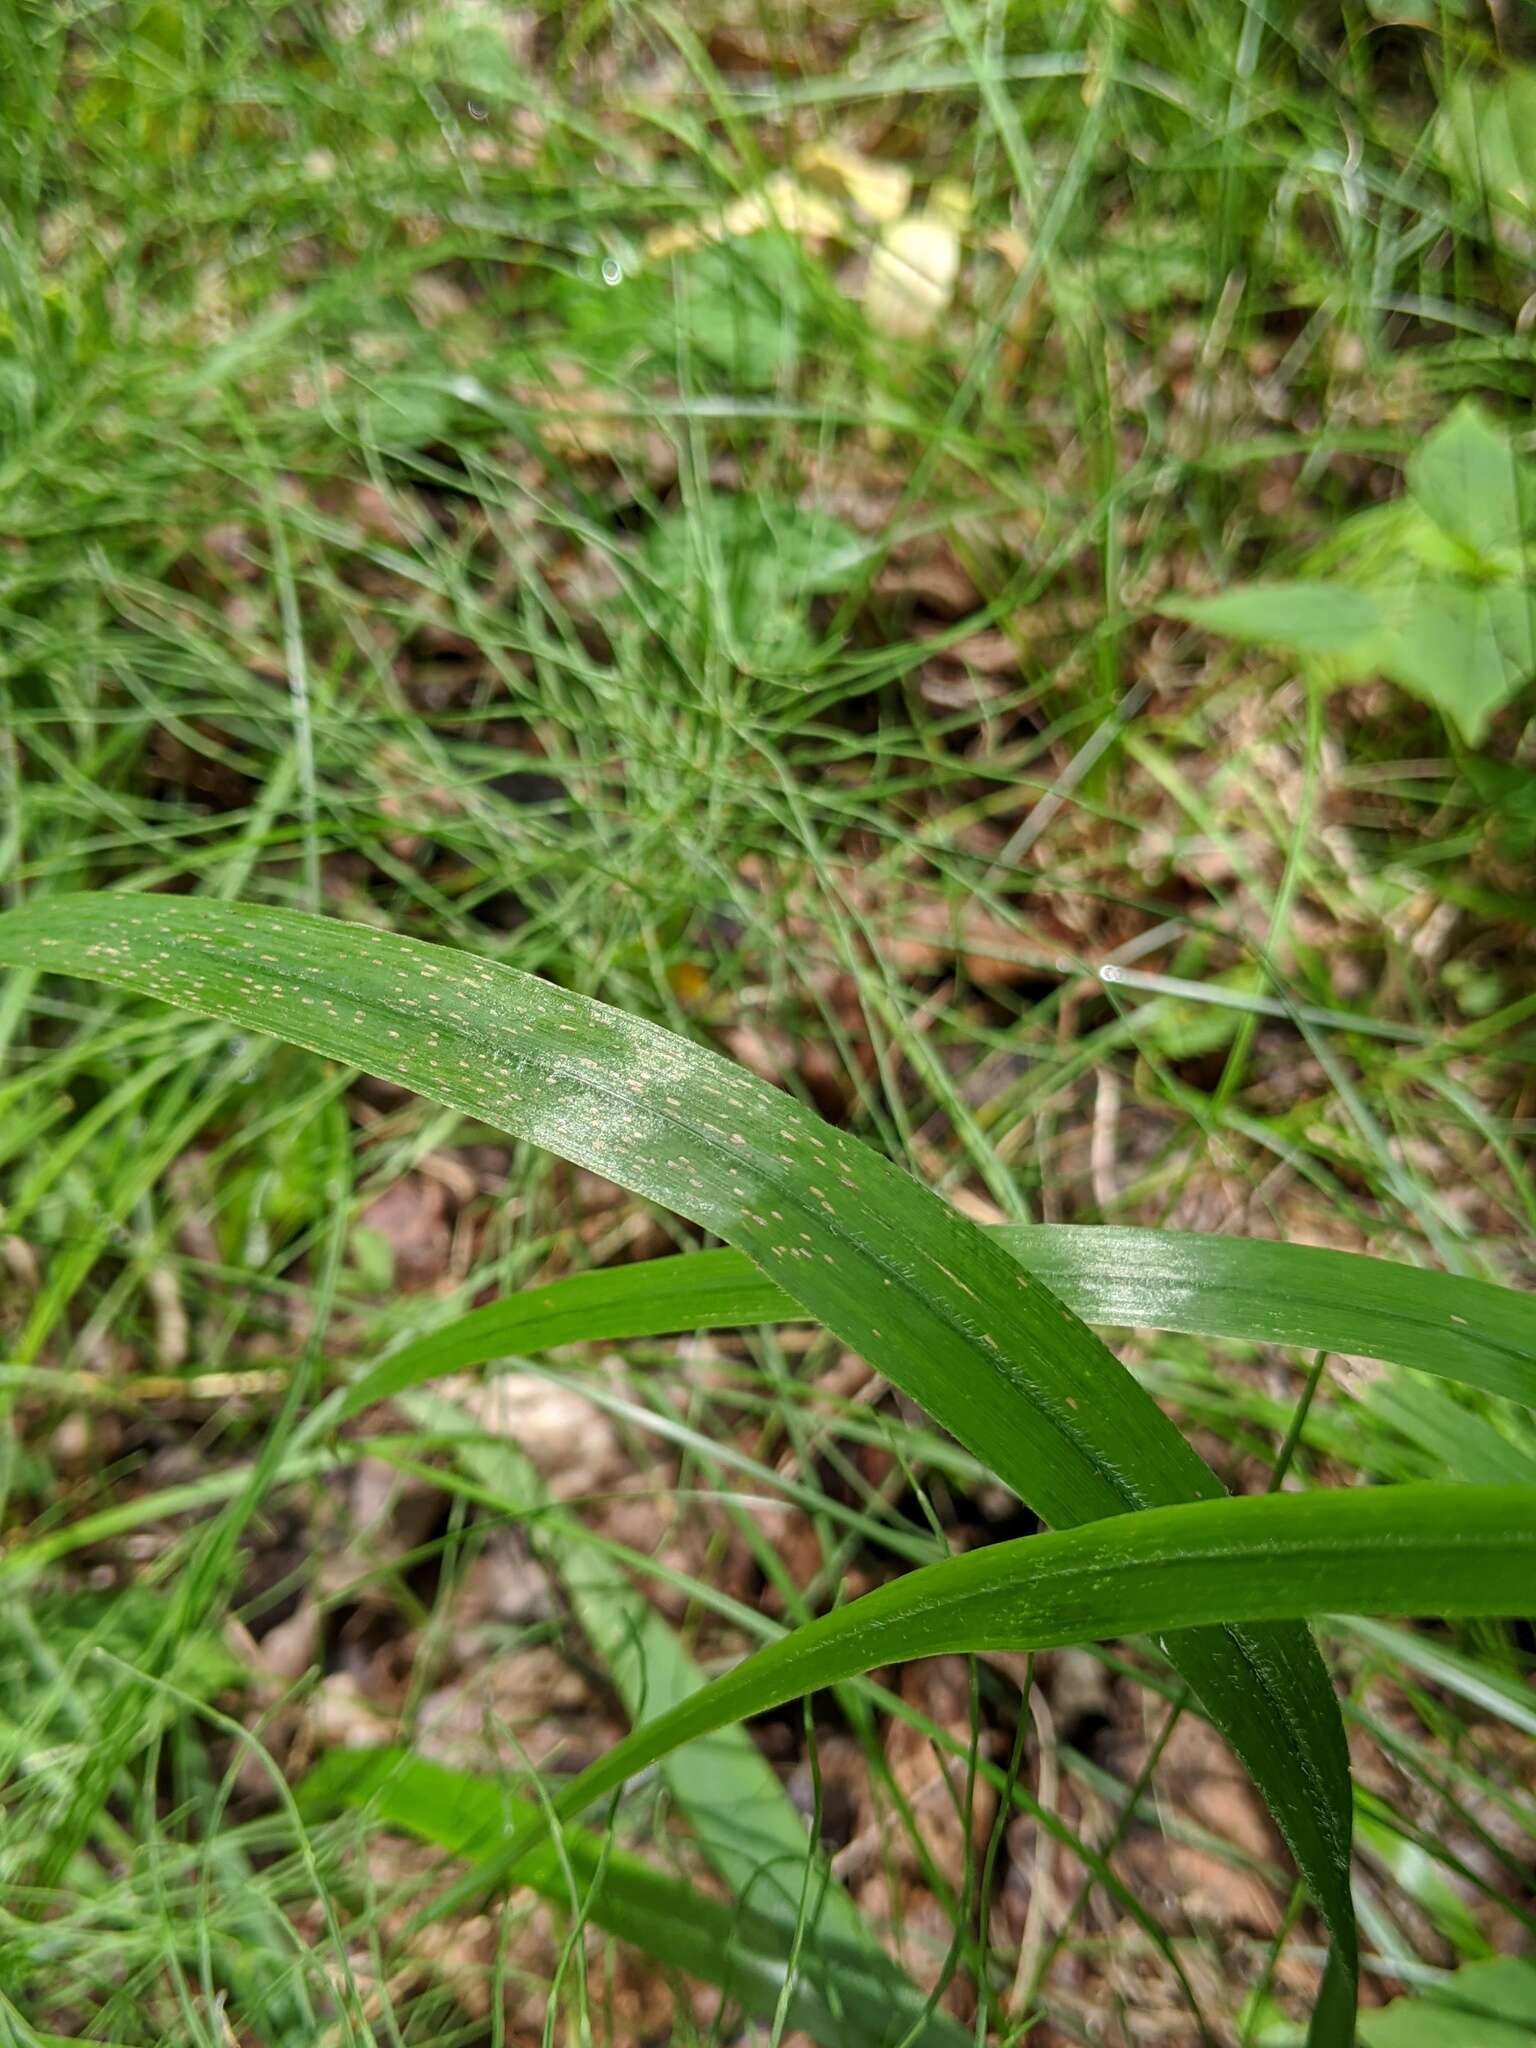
point(1260, 1293)
point(927, 1297)
point(743, 1821)
point(841, 1993)
point(1270, 1293)
point(1422, 1549)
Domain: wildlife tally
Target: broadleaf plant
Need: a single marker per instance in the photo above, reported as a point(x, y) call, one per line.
point(1434, 590)
point(1491, 2004)
point(930, 1299)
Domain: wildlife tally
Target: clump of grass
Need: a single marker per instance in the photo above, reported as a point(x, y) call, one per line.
point(368, 550)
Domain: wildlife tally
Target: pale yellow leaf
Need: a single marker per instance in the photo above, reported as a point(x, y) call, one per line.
point(795, 209)
point(782, 200)
point(879, 191)
point(912, 276)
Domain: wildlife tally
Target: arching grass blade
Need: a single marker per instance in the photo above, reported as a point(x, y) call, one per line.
point(928, 1297)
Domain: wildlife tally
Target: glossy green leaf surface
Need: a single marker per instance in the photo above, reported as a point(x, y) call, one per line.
point(1327, 620)
point(1468, 476)
point(926, 1296)
point(1422, 1549)
point(1261, 1293)
point(1488, 2004)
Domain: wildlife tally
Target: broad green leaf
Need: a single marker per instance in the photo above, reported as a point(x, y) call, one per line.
point(1466, 648)
point(1484, 2005)
point(841, 1994)
point(739, 308)
point(1259, 1292)
point(735, 312)
point(1422, 1549)
point(470, 45)
point(1431, 591)
point(1321, 619)
point(1466, 477)
point(1487, 132)
point(927, 1297)
point(404, 412)
point(1388, 544)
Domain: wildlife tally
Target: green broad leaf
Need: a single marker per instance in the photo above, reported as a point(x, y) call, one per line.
point(1467, 479)
point(402, 412)
point(1328, 621)
point(1385, 544)
point(927, 1297)
point(839, 1994)
point(469, 46)
point(1466, 648)
point(1421, 1549)
point(1488, 2004)
point(737, 306)
point(1255, 1291)
point(1487, 134)
point(735, 311)
point(1463, 645)
point(1431, 591)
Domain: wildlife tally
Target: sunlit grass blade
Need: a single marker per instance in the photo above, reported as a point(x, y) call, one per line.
point(1263, 1292)
point(742, 1819)
point(841, 1991)
point(1482, 1685)
point(1421, 1549)
point(738, 1811)
point(926, 1296)
point(1260, 1293)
